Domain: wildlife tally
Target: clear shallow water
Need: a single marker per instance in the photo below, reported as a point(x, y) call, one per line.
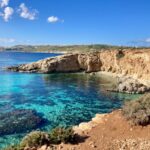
point(56, 99)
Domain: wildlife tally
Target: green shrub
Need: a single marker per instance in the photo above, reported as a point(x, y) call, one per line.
point(59, 135)
point(138, 111)
point(120, 54)
point(35, 139)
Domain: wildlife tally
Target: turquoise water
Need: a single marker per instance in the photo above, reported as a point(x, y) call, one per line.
point(41, 101)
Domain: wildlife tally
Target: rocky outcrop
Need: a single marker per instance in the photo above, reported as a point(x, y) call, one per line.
point(89, 62)
point(87, 126)
point(131, 86)
point(65, 63)
point(134, 63)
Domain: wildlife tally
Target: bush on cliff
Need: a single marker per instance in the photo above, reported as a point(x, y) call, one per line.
point(120, 54)
point(138, 111)
point(36, 139)
point(59, 135)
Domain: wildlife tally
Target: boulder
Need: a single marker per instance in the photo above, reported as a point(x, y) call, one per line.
point(130, 85)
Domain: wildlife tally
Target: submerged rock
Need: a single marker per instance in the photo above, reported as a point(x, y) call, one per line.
point(19, 121)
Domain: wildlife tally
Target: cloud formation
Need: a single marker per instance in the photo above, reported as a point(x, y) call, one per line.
point(26, 13)
point(147, 40)
point(4, 3)
point(7, 40)
point(141, 42)
point(54, 19)
point(8, 12)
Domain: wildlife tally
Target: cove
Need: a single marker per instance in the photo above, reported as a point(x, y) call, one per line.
point(50, 99)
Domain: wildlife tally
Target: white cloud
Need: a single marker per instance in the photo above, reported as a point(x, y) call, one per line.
point(147, 40)
point(54, 19)
point(4, 3)
point(7, 40)
point(141, 42)
point(8, 12)
point(26, 13)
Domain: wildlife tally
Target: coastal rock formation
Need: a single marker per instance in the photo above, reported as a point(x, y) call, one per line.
point(87, 126)
point(89, 62)
point(65, 63)
point(131, 86)
point(128, 62)
point(133, 63)
point(108, 132)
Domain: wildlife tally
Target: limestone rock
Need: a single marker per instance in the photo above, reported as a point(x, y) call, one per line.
point(132, 86)
point(65, 63)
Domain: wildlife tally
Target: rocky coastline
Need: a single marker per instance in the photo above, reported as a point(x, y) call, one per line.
point(132, 65)
point(105, 131)
point(109, 131)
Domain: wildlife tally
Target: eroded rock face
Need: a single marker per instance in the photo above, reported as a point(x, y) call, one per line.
point(90, 62)
point(131, 62)
point(65, 63)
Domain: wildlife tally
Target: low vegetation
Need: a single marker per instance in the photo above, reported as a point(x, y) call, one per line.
point(138, 111)
point(120, 54)
point(36, 139)
point(59, 135)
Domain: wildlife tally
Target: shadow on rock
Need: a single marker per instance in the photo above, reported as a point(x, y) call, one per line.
point(80, 139)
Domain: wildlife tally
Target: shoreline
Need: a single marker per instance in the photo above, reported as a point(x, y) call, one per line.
point(110, 131)
point(88, 126)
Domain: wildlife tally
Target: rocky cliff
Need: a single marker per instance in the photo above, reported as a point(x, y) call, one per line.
point(134, 63)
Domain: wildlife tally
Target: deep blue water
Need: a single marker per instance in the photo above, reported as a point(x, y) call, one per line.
point(56, 99)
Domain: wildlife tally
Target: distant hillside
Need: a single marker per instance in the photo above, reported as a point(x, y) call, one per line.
point(72, 48)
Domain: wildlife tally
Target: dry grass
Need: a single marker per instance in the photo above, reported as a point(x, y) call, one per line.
point(138, 111)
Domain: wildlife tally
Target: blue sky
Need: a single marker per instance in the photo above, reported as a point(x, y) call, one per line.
point(117, 22)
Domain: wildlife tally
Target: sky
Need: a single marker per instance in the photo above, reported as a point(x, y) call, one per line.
point(67, 22)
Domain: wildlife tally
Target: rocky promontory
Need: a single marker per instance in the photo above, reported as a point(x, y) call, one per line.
point(128, 63)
